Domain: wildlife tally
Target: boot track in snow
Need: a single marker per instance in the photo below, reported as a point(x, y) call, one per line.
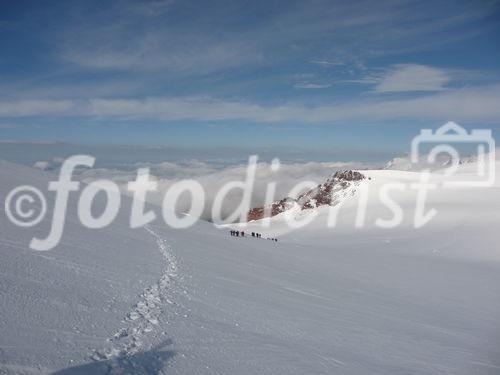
point(143, 320)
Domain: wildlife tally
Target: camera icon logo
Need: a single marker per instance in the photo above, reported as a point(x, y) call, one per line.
point(446, 140)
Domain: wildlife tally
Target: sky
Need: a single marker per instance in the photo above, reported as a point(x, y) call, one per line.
point(351, 76)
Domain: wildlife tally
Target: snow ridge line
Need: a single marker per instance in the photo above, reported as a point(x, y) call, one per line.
point(144, 317)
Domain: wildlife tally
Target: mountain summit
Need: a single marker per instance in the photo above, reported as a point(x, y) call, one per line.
point(339, 184)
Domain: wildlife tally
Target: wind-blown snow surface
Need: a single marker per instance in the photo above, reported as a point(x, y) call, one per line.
point(197, 301)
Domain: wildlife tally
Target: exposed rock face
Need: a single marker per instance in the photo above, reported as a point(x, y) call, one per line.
point(348, 176)
point(275, 209)
point(324, 194)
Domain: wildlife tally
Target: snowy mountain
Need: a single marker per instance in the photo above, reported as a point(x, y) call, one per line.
point(460, 227)
point(338, 185)
point(320, 301)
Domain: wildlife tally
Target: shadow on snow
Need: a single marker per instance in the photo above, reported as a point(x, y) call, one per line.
point(151, 362)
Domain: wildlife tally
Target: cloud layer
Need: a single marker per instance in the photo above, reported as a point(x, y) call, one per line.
point(212, 178)
point(468, 104)
point(412, 77)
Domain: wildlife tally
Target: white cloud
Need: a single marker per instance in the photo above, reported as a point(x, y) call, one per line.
point(469, 104)
point(153, 53)
point(41, 164)
point(413, 77)
point(49, 165)
point(326, 63)
point(311, 86)
point(24, 108)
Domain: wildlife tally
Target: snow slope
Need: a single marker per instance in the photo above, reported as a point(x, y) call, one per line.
point(63, 306)
point(198, 301)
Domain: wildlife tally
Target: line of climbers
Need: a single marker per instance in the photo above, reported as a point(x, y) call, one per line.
point(237, 233)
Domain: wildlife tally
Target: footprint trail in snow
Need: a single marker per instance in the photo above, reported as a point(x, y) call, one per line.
point(144, 317)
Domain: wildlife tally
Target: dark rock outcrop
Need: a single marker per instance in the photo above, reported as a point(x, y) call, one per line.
point(275, 209)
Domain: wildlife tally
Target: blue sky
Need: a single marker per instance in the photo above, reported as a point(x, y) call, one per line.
point(349, 75)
